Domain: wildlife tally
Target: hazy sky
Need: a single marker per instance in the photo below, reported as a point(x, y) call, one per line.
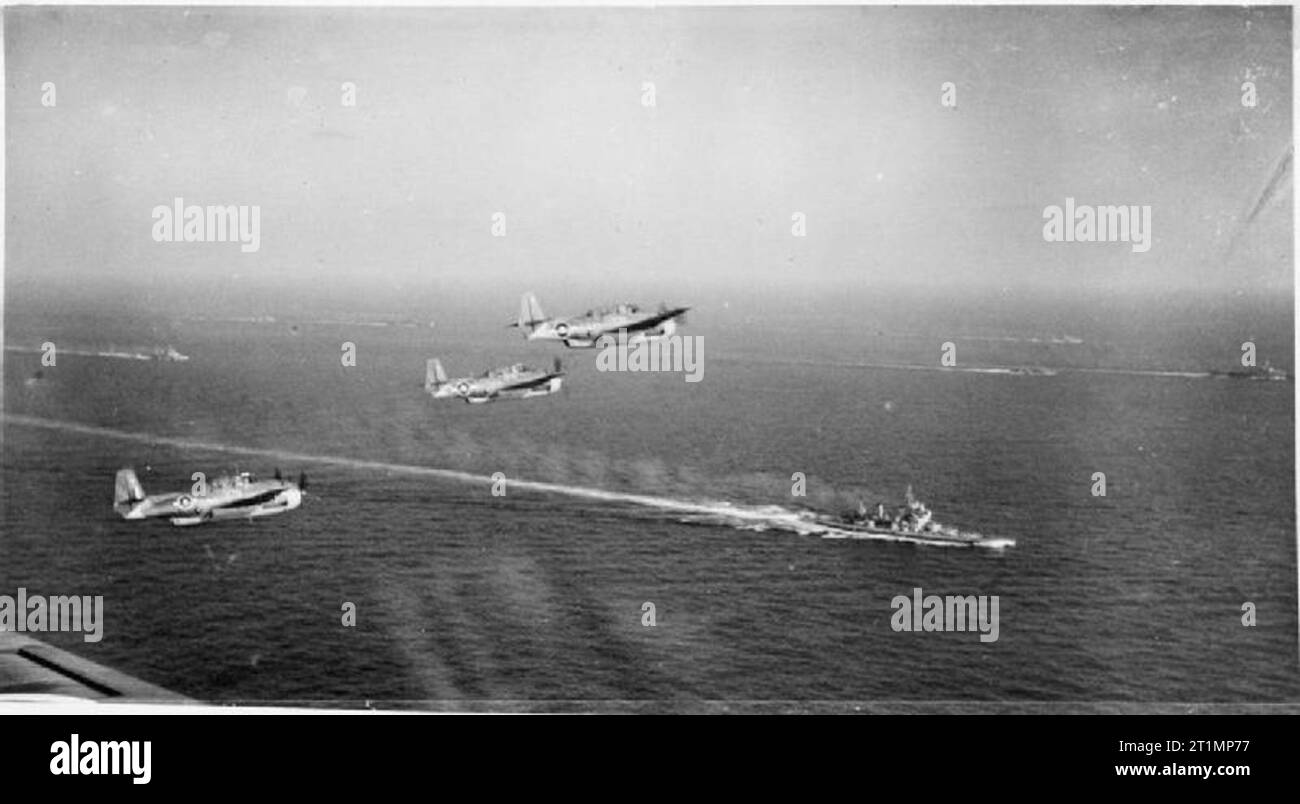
point(538, 114)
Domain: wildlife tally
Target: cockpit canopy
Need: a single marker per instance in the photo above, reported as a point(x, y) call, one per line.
point(517, 368)
point(622, 308)
point(234, 481)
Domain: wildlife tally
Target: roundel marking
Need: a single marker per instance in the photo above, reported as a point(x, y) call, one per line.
point(463, 388)
point(562, 329)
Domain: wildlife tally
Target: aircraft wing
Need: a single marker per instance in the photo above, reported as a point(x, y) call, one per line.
point(246, 502)
point(31, 669)
point(532, 382)
point(645, 323)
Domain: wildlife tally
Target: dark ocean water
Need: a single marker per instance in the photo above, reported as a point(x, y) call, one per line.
point(531, 599)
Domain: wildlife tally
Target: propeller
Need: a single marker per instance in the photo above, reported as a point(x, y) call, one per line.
point(302, 481)
point(277, 474)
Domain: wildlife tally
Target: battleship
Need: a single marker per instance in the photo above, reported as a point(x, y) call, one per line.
point(913, 522)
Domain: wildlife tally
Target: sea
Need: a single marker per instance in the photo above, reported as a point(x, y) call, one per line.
point(1175, 587)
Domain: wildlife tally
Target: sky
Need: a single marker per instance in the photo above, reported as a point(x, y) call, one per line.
point(541, 115)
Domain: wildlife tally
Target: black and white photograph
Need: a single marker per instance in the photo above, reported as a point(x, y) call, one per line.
point(671, 359)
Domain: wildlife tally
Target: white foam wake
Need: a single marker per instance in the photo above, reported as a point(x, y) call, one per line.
point(118, 355)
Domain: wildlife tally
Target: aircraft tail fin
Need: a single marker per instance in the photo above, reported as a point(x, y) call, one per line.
point(128, 488)
point(530, 313)
point(434, 375)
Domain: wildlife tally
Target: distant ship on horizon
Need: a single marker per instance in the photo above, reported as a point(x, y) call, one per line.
point(1264, 372)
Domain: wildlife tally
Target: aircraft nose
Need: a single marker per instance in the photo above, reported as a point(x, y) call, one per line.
point(293, 496)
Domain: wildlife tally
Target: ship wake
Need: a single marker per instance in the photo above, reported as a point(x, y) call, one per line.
point(744, 517)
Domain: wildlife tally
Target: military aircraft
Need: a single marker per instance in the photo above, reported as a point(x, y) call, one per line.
point(512, 382)
point(239, 496)
point(587, 330)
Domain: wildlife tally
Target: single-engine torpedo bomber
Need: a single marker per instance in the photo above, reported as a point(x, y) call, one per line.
point(590, 329)
point(239, 496)
point(511, 382)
